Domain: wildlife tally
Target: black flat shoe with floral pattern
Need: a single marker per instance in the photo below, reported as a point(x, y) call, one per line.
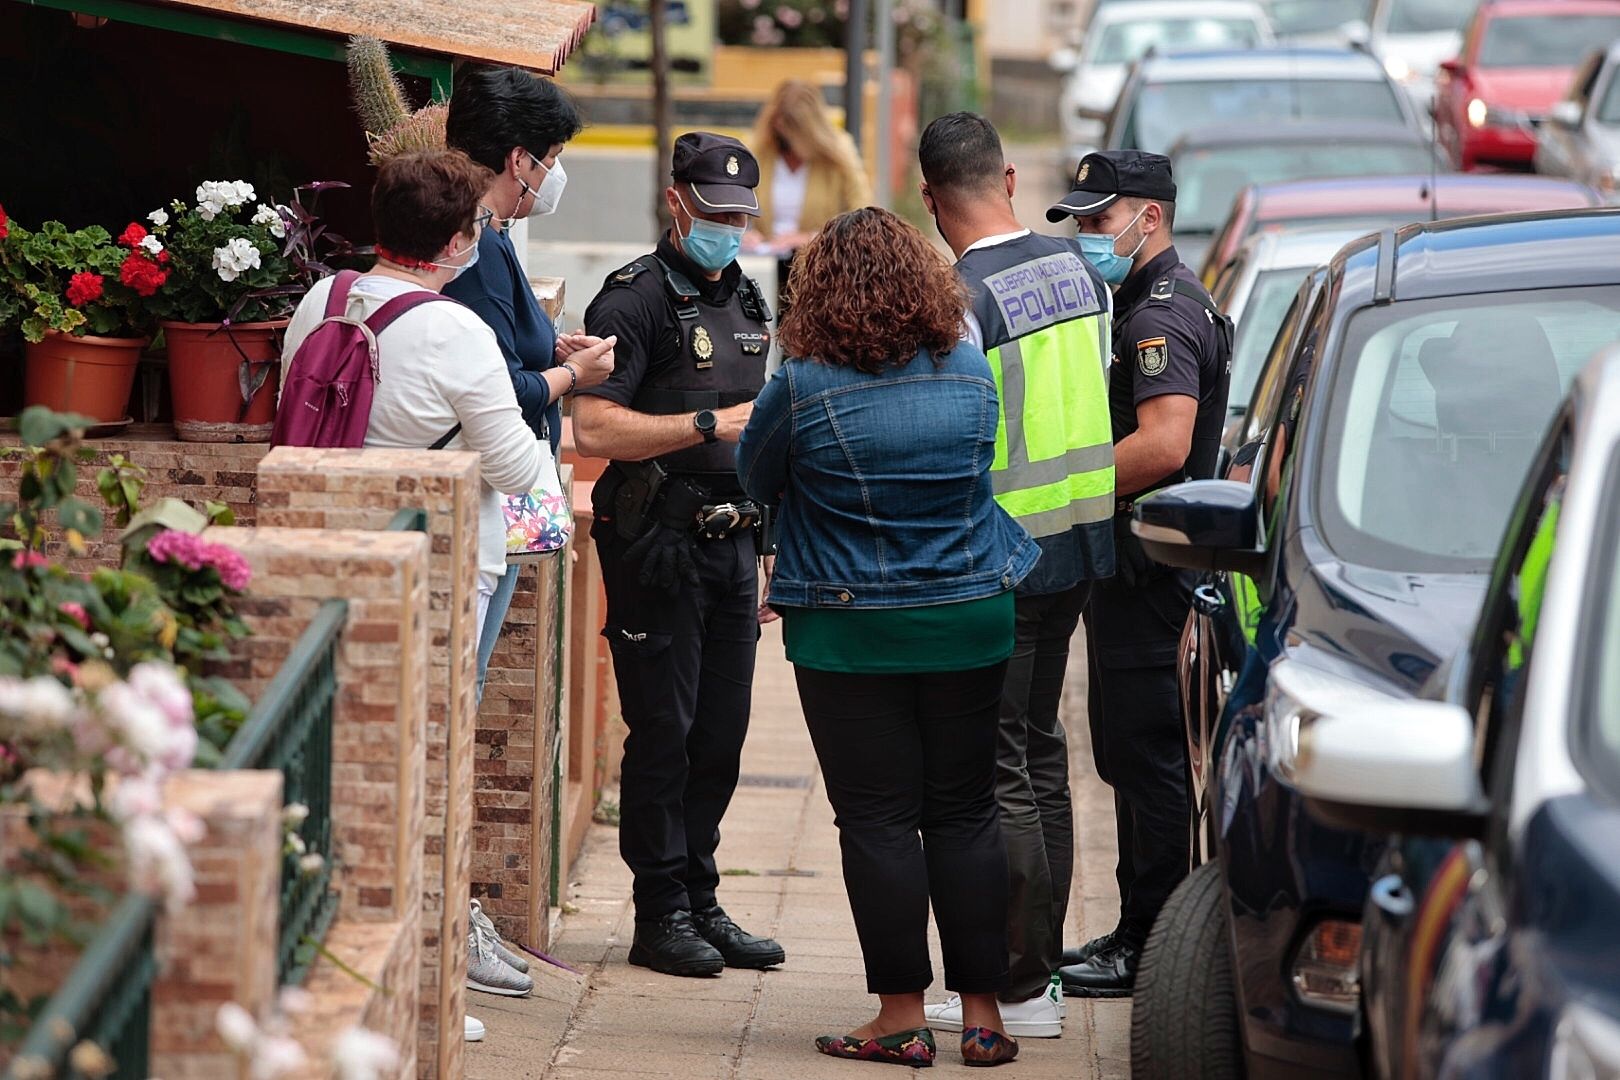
point(914, 1048)
point(984, 1047)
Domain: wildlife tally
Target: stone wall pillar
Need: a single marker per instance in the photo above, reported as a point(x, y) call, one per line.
point(363, 489)
point(223, 946)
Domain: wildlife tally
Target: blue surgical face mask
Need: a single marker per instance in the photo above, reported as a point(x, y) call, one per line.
point(1098, 250)
point(708, 243)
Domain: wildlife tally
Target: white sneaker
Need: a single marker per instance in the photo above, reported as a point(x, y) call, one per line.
point(488, 972)
point(474, 1029)
point(1037, 1018)
point(487, 925)
point(1054, 990)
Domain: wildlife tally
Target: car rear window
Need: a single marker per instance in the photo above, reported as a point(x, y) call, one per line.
point(1126, 42)
point(1544, 40)
point(1429, 16)
point(1437, 407)
point(1208, 179)
point(1164, 112)
point(1262, 317)
point(1292, 17)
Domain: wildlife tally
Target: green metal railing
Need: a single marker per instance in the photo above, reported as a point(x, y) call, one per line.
point(290, 728)
point(106, 998)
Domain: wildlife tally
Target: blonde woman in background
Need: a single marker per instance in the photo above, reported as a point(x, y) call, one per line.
point(809, 171)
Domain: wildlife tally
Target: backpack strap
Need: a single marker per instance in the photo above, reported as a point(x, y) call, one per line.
point(338, 298)
point(444, 440)
point(399, 305)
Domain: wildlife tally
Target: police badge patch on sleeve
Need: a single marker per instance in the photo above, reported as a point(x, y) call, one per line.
point(1152, 356)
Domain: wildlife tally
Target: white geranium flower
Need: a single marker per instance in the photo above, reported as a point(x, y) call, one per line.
point(210, 200)
point(236, 1026)
point(158, 218)
point(270, 217)
point(134, 797)
point(41, 702)
point(161, 685)
point(151, 243)
point(276, 1056)
point(293, 815)
point(158, 862)
point(312, 863)
point(238, 255)
point(364, 1055)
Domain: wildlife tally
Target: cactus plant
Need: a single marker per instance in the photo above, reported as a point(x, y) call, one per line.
point(378, 96)
point(390, 125)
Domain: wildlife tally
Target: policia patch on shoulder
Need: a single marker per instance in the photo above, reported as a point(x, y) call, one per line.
point(1152, 356)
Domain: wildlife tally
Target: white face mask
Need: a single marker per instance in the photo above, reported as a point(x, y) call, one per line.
point(549, 194)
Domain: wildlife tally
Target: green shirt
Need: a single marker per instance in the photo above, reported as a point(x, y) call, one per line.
point(886, 641)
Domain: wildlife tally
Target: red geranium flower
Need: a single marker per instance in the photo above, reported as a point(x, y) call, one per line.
point(132, 235)
point(5, 224)
point(142, 274)
point(84, 288)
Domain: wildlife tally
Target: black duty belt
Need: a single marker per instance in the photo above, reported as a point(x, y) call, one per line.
point(717, 521)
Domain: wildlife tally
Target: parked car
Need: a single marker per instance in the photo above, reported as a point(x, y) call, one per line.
point(1490, 947)
point(1386, 443)
point(1118, 36)
point(1518, 58)
point(1256, 289)
point(1165, 97)
point(1212, 164)
point(1581, 138)
point(1369, 203)
point(1413, 37)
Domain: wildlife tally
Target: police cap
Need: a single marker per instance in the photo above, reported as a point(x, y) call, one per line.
point(1108, 174)
point(722, 172)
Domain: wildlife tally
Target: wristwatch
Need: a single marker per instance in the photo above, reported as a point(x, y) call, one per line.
point(704, 421)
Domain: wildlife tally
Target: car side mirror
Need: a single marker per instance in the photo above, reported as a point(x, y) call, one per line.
point(1063, 60)
point(1566, 114)
point(1452, 66)
point(1202, 525)
point(1393, 767)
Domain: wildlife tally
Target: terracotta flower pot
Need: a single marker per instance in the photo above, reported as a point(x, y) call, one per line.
point(207, 366)
point(88, 375)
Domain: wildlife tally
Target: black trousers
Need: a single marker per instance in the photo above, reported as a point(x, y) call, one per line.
point(684, 664)
point(1032, 788)
point(1138, 737)
point(910, 762)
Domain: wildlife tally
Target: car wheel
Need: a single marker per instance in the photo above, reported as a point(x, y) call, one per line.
point(1184, 1019)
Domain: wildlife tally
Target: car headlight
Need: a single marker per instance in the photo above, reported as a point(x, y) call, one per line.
point(1295, 695)
point(1478, 111)
point(1483, 115)
point(1586, 1045)
point(1398, 69)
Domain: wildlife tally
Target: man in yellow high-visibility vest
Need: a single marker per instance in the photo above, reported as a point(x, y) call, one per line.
point(1040, 314)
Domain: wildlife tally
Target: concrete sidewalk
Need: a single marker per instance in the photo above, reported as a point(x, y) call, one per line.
point(780, 855)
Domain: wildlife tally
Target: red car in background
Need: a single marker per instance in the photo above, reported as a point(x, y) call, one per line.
point(1376, 202)
point(1518, 58)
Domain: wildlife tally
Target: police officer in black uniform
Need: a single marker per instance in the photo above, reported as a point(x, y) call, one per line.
point(680, 548)
point(1167, 388)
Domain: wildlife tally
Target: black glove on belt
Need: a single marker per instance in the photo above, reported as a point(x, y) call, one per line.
point(665, 552)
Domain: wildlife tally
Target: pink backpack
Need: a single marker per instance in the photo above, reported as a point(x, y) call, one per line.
point(326, 398)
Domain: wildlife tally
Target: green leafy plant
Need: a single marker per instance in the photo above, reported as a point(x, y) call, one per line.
point(65, 280)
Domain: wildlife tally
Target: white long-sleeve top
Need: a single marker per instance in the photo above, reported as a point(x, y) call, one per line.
point(439, 366)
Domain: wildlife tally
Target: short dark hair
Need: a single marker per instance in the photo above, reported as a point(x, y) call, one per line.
point(961, 152)
point(422, 200)
point(495, 109)
point(1166, 209)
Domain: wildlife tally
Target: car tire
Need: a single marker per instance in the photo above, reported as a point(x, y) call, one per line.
point(1184, 1017)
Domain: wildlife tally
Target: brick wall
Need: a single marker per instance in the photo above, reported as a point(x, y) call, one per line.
point(193, 472)
point(362, 489)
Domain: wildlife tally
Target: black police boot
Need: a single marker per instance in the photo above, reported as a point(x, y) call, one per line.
point(740, 948)
point(673, 946)
point(1110, 973)
point(1091, 948)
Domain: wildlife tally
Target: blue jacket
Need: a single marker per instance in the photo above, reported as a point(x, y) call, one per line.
point(497, 289)
point(883, 484)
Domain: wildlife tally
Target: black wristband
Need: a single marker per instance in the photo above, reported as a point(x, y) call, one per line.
point(573, 378)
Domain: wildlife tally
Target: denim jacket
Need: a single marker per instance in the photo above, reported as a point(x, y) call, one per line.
point(882, 484)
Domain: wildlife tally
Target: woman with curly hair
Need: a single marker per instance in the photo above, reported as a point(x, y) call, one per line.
point(894, 578)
